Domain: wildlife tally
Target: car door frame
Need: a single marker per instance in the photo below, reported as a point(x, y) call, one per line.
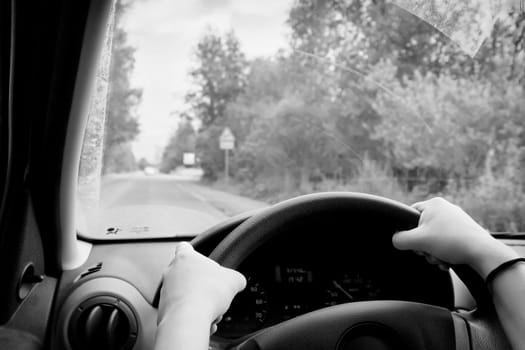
point(49, 52)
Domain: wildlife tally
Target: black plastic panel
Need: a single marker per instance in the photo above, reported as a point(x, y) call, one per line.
point(104, 292)
point(103, 322)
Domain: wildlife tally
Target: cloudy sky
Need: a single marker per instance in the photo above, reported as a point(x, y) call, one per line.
point(165, 33)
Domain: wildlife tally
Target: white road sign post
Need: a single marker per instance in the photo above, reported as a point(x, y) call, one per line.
point(226, 142)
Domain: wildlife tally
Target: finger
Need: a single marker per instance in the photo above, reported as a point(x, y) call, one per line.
point(183, 246)
point(214, 325)
point(408, 240)
point(444, 267)
point(435, 261)
point(180, 248)
point(235, 280)
point(431, 259)
point(419, 206)
point(240, 281)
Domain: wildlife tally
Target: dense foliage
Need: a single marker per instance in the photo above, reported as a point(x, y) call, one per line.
point(121, 125)
point(182, 141)
point(112, 123)
point(368, 98)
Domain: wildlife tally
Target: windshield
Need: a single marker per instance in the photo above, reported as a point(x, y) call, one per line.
point(208, 109)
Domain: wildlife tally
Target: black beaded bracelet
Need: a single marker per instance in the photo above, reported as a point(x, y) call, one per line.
point(501, 268)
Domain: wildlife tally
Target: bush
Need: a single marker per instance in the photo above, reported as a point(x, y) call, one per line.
point(497, 199)
point(377, 179)
point(370, 177)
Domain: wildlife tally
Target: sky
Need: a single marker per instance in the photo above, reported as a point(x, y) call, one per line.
point(165, 34)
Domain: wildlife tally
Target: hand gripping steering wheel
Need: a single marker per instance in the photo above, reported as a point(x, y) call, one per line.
point(370, 325)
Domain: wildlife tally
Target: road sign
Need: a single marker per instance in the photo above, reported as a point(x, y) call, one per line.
point(188, 158)
point(227, 140)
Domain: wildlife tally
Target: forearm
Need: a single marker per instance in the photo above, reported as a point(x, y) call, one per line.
point(448, 234)
point(183, 328)
point(508, 289)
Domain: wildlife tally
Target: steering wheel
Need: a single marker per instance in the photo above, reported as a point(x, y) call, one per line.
point(371, 325)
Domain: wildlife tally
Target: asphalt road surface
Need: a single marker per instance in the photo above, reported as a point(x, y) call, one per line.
point(139, 204)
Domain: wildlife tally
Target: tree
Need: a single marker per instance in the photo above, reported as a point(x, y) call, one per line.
point(292, 140)
point(452, 123)
point(367, 92)
point(143, 163)
point(183, 140)
point(360, 33)
point(121, 124)
point(355, 37)
point(219, 77)
point(121, 158)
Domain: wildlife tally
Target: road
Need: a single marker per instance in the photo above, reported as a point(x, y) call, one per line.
point(163, 204)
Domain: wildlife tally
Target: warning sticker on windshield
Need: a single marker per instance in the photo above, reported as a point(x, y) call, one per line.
point(466, 22)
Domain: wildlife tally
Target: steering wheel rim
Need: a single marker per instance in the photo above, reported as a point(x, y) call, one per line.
point(264, 226)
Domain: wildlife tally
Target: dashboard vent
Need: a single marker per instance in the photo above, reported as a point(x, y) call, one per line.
point(102, 323)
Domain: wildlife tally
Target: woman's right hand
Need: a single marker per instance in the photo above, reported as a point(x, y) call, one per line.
point(446, 233)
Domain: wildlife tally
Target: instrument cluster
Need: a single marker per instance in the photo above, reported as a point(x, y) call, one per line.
point(282, 292)
point(304, 271)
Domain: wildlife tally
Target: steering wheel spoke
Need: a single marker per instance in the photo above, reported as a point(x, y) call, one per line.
point(374, 325)
point(484, 330)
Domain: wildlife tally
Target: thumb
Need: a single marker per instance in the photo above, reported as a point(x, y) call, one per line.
point(240, 282)
point(408, 240)
point(235, 280)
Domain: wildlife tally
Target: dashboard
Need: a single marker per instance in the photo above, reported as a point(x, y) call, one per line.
point(283, 292)
point(312, 265)
point(292, 276)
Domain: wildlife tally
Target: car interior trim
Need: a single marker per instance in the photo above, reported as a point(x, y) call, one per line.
point(71, 253)
point(6, 105)
point(144, 313)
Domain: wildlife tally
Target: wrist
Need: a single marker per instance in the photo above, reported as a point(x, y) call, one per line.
point(489, 254)
point(183, 326)
point(188, 309)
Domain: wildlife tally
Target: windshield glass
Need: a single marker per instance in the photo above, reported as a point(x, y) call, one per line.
point(207, 109)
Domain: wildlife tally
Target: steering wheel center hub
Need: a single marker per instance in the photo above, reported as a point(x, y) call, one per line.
point(369, 336)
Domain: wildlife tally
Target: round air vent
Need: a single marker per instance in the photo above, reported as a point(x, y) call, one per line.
point(102, 323)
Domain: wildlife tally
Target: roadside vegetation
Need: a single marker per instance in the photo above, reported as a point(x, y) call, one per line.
point(113, 121)
point(366, 97)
